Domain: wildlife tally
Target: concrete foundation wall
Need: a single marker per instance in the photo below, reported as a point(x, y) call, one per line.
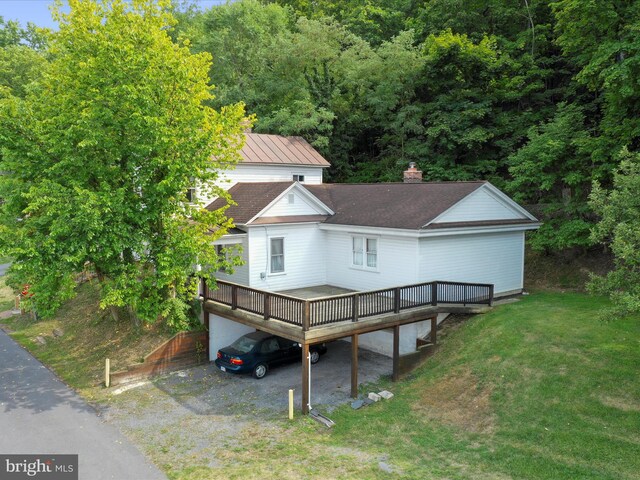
point(382, 340)
point(223, 332)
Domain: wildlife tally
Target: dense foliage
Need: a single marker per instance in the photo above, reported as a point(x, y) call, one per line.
point(98, 151)
point(619, 228)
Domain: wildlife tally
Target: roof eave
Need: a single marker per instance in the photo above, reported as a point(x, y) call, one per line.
point(280, 164)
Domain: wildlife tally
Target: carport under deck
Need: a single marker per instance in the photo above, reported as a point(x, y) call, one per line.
point(326, 313)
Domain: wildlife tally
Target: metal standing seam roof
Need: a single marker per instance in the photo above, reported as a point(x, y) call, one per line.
point(275, 149)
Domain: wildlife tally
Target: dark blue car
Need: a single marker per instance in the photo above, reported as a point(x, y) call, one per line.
point(257, 352)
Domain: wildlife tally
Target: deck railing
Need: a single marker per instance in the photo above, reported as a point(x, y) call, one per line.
point(349, 306)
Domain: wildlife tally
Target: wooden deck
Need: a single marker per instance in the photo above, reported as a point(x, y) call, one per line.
point(316, 320)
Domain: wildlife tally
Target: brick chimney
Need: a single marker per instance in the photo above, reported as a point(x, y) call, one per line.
point(412, 174)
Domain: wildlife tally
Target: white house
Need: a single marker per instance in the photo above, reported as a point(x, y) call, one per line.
point(295, 231)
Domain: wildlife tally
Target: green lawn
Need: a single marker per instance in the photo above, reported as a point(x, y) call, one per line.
point(7, 296)
point(538, 389)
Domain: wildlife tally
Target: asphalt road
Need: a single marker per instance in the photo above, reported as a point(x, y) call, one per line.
point(3, 268)
point(41, 415)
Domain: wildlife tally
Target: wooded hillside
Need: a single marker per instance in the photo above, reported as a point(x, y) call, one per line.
point(537, 96)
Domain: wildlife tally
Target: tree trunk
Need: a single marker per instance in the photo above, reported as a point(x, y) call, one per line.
point(133, 317)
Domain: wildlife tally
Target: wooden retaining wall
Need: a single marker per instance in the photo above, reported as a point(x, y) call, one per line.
point(185, 349)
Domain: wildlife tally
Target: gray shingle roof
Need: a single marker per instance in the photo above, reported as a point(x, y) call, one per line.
point(386, 205)
point(251, 199)
point(390, 205)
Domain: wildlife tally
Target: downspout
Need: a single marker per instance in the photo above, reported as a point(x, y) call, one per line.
point(266, 255)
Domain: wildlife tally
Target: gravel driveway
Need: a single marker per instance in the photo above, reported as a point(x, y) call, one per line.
point(181, 418)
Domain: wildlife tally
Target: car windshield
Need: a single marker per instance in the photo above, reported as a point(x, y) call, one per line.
point(244, 344)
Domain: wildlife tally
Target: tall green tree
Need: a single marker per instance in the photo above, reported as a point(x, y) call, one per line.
point(602, 38)
point(619, 228)
point(243, 37)
point(99, 156)
point(462, 81)
point(554, 170)
point(375, 21)
point(21, 55)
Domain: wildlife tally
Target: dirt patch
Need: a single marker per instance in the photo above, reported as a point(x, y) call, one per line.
point(458, 400)
point(624, 404)
point(564, 271)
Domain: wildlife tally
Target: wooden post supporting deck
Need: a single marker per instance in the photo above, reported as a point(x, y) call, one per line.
point(434, 329)
point(305, 378)
point(354, 366)
point(396, 353)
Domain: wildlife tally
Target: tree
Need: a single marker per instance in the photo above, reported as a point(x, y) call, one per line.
point(554, 170)
point(461, 86)
point(373, 20)
point(601, 38)
point(242, 38)
point(21, 56)
point(99, 156)
point(19, 66)
point(10, 32)
point(619, 228)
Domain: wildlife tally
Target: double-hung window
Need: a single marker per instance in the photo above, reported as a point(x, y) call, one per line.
point(365, 252)
point(221, 252)
point(276, 255)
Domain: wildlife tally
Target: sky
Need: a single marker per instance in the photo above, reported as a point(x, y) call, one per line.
point(37, 11)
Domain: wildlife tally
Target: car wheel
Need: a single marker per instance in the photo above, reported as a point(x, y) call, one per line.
point(260, 370)
point(315, 356)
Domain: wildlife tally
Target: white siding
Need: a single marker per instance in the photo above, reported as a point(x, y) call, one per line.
point(300, 206)
point(241, 273)
point(481, 258)
point(304, 261)
point(270, 173)
point(252, 173)
point(397, 263)
point(480, 205)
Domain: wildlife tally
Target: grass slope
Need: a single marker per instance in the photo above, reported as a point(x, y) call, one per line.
point(537, 389)
point(90, 336)
point(7, 296)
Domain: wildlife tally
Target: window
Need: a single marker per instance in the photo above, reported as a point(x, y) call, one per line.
point(372, 252)
point(221, 252)
point(269, 346)
point(292, 198)
point(276, 253)
point(365, 252)
point(298, 178)
point(191, 191)
point(357, 251)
